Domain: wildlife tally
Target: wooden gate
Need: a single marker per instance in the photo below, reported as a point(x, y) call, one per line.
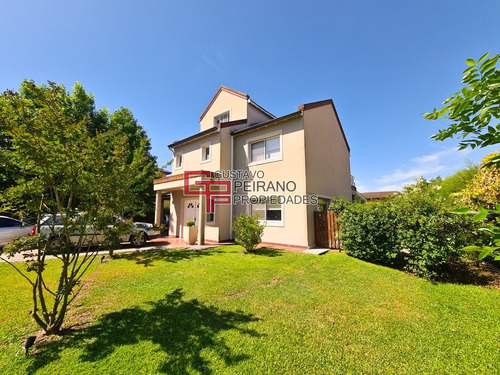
point(327, 229)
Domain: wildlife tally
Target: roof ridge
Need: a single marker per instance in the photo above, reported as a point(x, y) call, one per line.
point(226, 89)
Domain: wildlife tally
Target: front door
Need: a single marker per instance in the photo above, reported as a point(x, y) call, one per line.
point(191, 211)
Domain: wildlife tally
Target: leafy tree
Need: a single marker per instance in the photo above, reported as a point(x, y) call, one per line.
point(452, 185)
point(140, 158)
point(60, 166)
point(79, 106)
point(484, 189)
point(474, 110)
point(247, 232)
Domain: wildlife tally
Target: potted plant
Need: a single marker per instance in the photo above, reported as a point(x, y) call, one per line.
point(190, 232)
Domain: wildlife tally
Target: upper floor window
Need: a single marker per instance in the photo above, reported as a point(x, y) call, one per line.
point(265, 149)
point(206, 153)
point(178, 161)
point(225, 117)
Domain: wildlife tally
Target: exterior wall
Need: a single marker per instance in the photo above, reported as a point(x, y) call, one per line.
point(191, 155)
point(290, 168)
point(237, 106)
point(327, 157)
point(175, 212)
point(255, 116)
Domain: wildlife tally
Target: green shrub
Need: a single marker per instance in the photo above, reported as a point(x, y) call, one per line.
point(416, 224)
point(368, 231)
point(247, 232)
point(428, 233)
point(190, 223)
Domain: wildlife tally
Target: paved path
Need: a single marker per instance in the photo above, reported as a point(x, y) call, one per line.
point(162, 243)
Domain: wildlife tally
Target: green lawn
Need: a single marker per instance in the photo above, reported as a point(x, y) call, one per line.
point(220, 311)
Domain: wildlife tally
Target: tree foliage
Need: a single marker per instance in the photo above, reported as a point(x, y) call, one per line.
point(78, 107)
point(63, 158)
point(474, 110)
point(483, 190)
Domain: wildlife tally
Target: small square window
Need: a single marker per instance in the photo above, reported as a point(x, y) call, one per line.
point(210, 217)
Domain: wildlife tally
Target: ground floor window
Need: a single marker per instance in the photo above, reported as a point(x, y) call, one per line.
point(268, 210)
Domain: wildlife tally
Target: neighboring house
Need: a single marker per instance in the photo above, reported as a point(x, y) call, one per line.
point(298, 161)
point(378, 195)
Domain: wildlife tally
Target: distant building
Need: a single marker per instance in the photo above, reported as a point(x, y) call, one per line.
point(378, 195)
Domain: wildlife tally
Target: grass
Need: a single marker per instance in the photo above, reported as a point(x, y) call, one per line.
point(220, 311)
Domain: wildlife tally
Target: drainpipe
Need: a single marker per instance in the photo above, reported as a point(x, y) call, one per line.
point(231, 168)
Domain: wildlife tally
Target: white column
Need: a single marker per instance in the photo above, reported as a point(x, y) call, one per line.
point(158, 208)
point(201, 219)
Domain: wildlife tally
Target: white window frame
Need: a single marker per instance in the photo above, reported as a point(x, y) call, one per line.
point(181, 155)
point(260, 138)
point(202, 148)
point(270, 223)
point(227, 112)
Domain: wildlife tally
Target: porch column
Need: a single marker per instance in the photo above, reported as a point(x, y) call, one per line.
point(201, 218)
point(158, 208)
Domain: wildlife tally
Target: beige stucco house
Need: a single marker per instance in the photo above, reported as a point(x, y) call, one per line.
point(280, 168)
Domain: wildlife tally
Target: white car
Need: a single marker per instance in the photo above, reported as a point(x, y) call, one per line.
point(10, 228)
point(139, 235)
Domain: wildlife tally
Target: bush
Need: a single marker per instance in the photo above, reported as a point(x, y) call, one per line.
point(415, 223)
point(369, 231)
point(247, 232)
point(428, 233)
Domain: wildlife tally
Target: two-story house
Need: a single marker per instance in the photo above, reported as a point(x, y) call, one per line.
point(279, 168)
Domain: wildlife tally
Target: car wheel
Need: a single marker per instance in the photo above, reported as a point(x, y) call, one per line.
point(139, 239)
point(56, 244)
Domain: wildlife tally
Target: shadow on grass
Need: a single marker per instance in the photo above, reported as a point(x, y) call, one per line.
point(465, 272)
point(268, 252)
point(147, 258)
point(182, 329)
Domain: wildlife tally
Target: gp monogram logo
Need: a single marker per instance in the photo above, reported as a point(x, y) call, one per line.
point(216, 192)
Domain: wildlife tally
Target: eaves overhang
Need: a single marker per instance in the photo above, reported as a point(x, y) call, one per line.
point(194, 137)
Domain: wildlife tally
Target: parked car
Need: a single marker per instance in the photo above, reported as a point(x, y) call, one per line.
point(10, 228)
point(138, 235)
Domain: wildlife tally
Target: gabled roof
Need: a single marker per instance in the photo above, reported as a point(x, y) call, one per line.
point(221, 89)
point(301, 108)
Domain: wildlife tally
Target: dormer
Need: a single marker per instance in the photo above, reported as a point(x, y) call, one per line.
point(229, 105)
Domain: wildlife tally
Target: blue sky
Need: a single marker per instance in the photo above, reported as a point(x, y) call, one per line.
point(383, 63)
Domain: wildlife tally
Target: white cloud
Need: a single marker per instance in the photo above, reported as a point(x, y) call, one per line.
point(427, 166)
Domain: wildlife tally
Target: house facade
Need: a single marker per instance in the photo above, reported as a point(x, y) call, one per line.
point(279, 168)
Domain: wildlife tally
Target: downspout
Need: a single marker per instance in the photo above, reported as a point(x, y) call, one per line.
point(230, 169)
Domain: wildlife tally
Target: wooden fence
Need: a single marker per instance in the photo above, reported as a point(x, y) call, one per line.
point(327, 229)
